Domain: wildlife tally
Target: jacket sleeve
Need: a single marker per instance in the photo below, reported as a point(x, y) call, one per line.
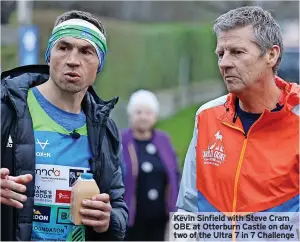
point(187, 198)
point(119, 213)
point(4, 127)
point(7, 124)
point(4, 121)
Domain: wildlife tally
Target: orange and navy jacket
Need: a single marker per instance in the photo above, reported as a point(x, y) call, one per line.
point(227, 170)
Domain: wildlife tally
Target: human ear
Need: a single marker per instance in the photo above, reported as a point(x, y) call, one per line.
point(273, 55)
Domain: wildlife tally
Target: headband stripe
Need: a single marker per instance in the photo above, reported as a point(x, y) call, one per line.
point(78, 28)
point(78, 33)
point(80, 22)
point(66, 28)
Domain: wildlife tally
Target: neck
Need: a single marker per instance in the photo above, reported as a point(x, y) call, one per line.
point(67, 101)
point(264, 95)
point(142, 134)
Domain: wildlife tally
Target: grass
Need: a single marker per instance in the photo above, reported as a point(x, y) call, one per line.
point(180, 129)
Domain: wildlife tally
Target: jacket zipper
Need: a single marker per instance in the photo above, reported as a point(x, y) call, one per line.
point(237, 175)
point(240, 164)
point(231, 126)
point(236, 184)
point(242, 154)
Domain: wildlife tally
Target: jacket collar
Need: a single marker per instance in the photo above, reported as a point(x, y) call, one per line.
point(289, 98)
point(19, 80)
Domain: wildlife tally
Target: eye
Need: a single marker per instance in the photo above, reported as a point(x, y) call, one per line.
point(62, 48)
point(237, 52)
point(220, 55)
point(86, 52)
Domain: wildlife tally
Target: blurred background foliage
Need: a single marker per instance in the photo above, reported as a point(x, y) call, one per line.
point(141, 55)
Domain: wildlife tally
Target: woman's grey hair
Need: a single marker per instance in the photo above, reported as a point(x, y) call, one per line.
point(266, 31)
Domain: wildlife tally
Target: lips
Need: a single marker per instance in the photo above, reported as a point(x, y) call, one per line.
point(230, 77)
point(72, 74)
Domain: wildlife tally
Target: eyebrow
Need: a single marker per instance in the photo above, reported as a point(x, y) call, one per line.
point(63, 42)
point(68, 44)
point(218, 50)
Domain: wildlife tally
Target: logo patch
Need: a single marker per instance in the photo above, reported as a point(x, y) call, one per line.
point(42, 144)
point(41, 214)
point(50, 174)
point(41, 153)
point(73, 176)
point(9, 142)
point(215, 153)
point(63, 216)
point(63, 196)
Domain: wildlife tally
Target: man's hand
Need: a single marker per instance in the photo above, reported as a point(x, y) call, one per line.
point(96, 212)
point(11, 187)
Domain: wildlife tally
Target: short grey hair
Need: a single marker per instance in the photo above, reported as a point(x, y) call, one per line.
point(266, 30)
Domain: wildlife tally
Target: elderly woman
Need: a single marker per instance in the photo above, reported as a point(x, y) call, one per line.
point(151, 172)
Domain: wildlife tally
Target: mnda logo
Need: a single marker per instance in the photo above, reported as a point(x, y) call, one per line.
point(48, 172)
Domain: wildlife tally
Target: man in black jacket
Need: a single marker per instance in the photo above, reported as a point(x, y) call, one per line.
point(53, 128)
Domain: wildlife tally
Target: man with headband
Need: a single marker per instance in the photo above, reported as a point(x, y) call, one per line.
point(53, 128)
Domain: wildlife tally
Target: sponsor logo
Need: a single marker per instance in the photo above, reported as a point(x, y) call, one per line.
point(41, 214)
point(63, 196)
point(43, 146)
point(41, 195)
point(9, 142)
point(73, 175)
point(43, 154)
point(49, 174)
point(215, 153)
point(63, 216)
point(49, 230)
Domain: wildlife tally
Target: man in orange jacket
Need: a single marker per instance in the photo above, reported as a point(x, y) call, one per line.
point(244, 154)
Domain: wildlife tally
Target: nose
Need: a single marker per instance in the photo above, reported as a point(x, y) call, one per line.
point(225, 62)
point(144, 117)
point(73, 58)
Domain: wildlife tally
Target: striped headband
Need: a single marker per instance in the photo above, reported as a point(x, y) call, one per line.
point(79, 28)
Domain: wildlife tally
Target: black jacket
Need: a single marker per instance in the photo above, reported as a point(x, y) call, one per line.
point(19, 157)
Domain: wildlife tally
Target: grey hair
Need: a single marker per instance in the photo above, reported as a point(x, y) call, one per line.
point(266, 31)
